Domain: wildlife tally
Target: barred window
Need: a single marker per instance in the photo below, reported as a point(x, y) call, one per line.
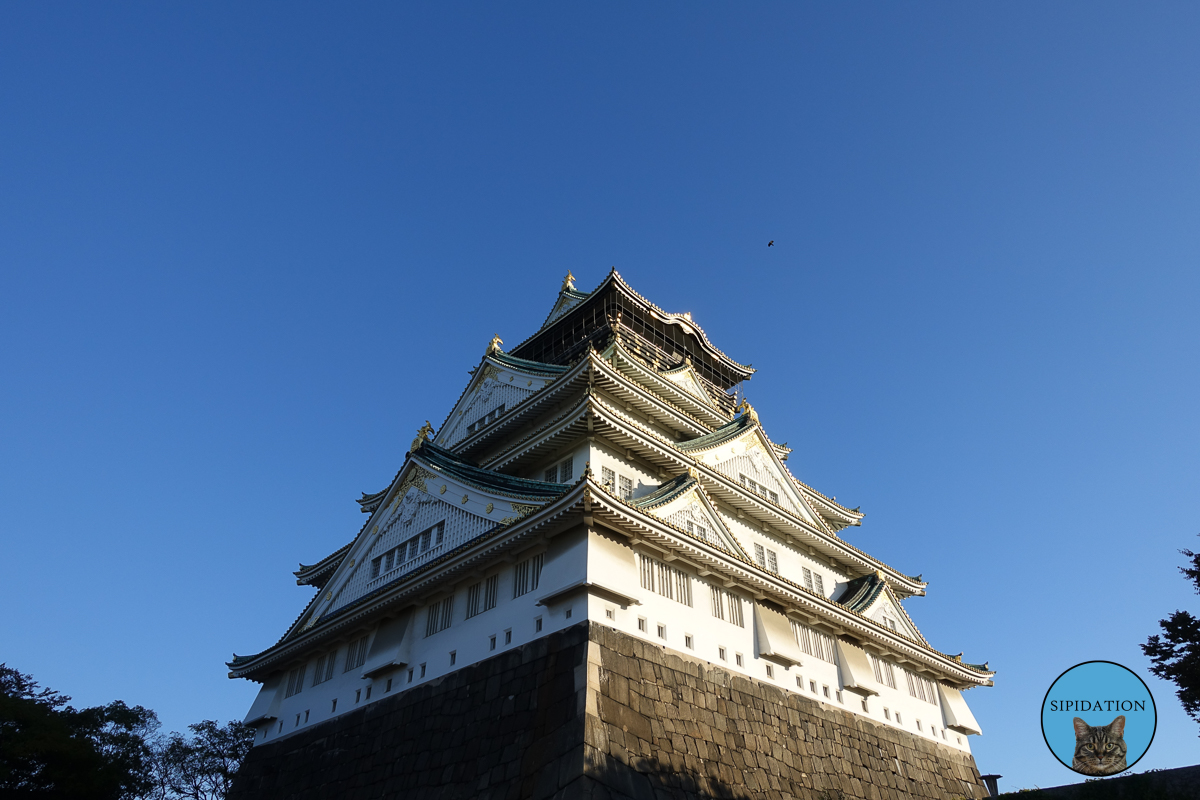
point(324, 670)
point(296, 681)
point(820, 583)
point(626, 488)
point(808, 582)
point(421, 543)
point(727, 606)
point(527, 574)
point(473, 604)
point(486, 419)
point(814, 643)
point(441, 614)
point(666, 580)
point(356, 654)
point(560, 473)
point(922, 688)
point(760, 555)
point(697, 530)
point(608, 479)
point(772, 561)
point(758, 488)
point(884, 673)
point(489, 592)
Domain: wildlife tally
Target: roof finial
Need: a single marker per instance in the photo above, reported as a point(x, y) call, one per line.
point(568, 283)
point(494, 345)
point(422, 435)
point(748, 410)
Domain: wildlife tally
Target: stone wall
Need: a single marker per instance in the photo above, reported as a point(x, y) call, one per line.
point(593, 713)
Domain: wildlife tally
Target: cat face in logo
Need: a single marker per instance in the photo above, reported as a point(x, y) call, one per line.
point(1099, 750)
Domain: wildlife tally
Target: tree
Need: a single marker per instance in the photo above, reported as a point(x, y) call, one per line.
point(201, 767)
point(49, 749)
point(1176, 653)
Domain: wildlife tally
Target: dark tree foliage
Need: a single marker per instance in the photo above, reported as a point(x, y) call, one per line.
point(1176, 652)
point(49, 749)
point(201, 767)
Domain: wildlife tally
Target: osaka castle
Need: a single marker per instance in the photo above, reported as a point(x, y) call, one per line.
point(598, 577)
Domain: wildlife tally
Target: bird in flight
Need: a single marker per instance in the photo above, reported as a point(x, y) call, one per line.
point(771, 243)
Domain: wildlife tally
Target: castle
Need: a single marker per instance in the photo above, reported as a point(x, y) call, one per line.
point(600, 524)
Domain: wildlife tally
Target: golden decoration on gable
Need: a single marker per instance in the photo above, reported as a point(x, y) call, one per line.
point(494, 345)
point(522, 510)
point(442, 490)
point(423, 433)
point(416, 477)
point(465, 499)
point(489, 508)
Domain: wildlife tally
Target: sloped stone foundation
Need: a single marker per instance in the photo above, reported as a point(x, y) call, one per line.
point(592, 713)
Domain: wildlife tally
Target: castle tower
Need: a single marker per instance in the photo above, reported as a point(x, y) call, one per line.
point(598, 575)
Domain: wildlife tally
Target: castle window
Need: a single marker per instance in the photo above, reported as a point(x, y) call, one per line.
point(508, 636)
point(770, 671)
point(608, 479)
point(812, 686)
point(884, 673)
point(738, 658)
point(890, 623)
point(410, 678)
point(568, 613)
point(333, 705)
point(772, 561)
point(356, 654)
point(839, 696)
point(422, 670)
point(666, 580)
point(919, 726)
point(358, 695)
point(721, 654)
point(388, 688)
point(727, 605)
point(921, 688)
point(486, 419)
point(820, 583)
point(527, 574)
point(408, 550)
point(758, 489)
point(537, 624)
point(492, 643)
point(662, 631)
point(368, 692)
point(561, 473)
point(867, 710)
point(324, 670)
point(760, 555)
point(887, 714)
point(808, 581)
point(898, 720)
point(687, 641)
point(814, 643)
point(611, 613)
point(625, 488)
point(482, 596)
point(825, 691)
point(296, 681)
point(453, 658)
point(642, 624)
point(441, 614)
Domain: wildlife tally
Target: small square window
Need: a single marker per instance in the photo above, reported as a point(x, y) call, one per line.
point(306, 716)
point(812, 686)
point(453, 657)
point(389, 686)
point(898, 720)
point(410, 676)
point(662, 631)
point(721, 653)
point(887, 714)
point(357, 695)
point(919, 726)
point(492, 643)
point(839, 696)
point(943, 733)
point(537, 625)
point(825, 691)
point(422, 670)
point(770, 671)
point(687, 641)
point(642, 624)
point(508, 636)
point(611, 613)
point(297, 725)
point(568, 614)
point(866, 708)
point(738, 658)
point(800, 681)
point(959, 738)
point(368, 692)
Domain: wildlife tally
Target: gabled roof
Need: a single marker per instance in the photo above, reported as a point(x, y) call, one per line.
point(665, 493)
point(442, 460)
point(866, 591)
point(720, 436)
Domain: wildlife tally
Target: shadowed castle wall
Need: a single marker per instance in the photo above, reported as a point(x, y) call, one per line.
point(590, 712)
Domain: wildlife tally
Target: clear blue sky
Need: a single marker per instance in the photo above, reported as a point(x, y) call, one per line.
point(246, 252)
